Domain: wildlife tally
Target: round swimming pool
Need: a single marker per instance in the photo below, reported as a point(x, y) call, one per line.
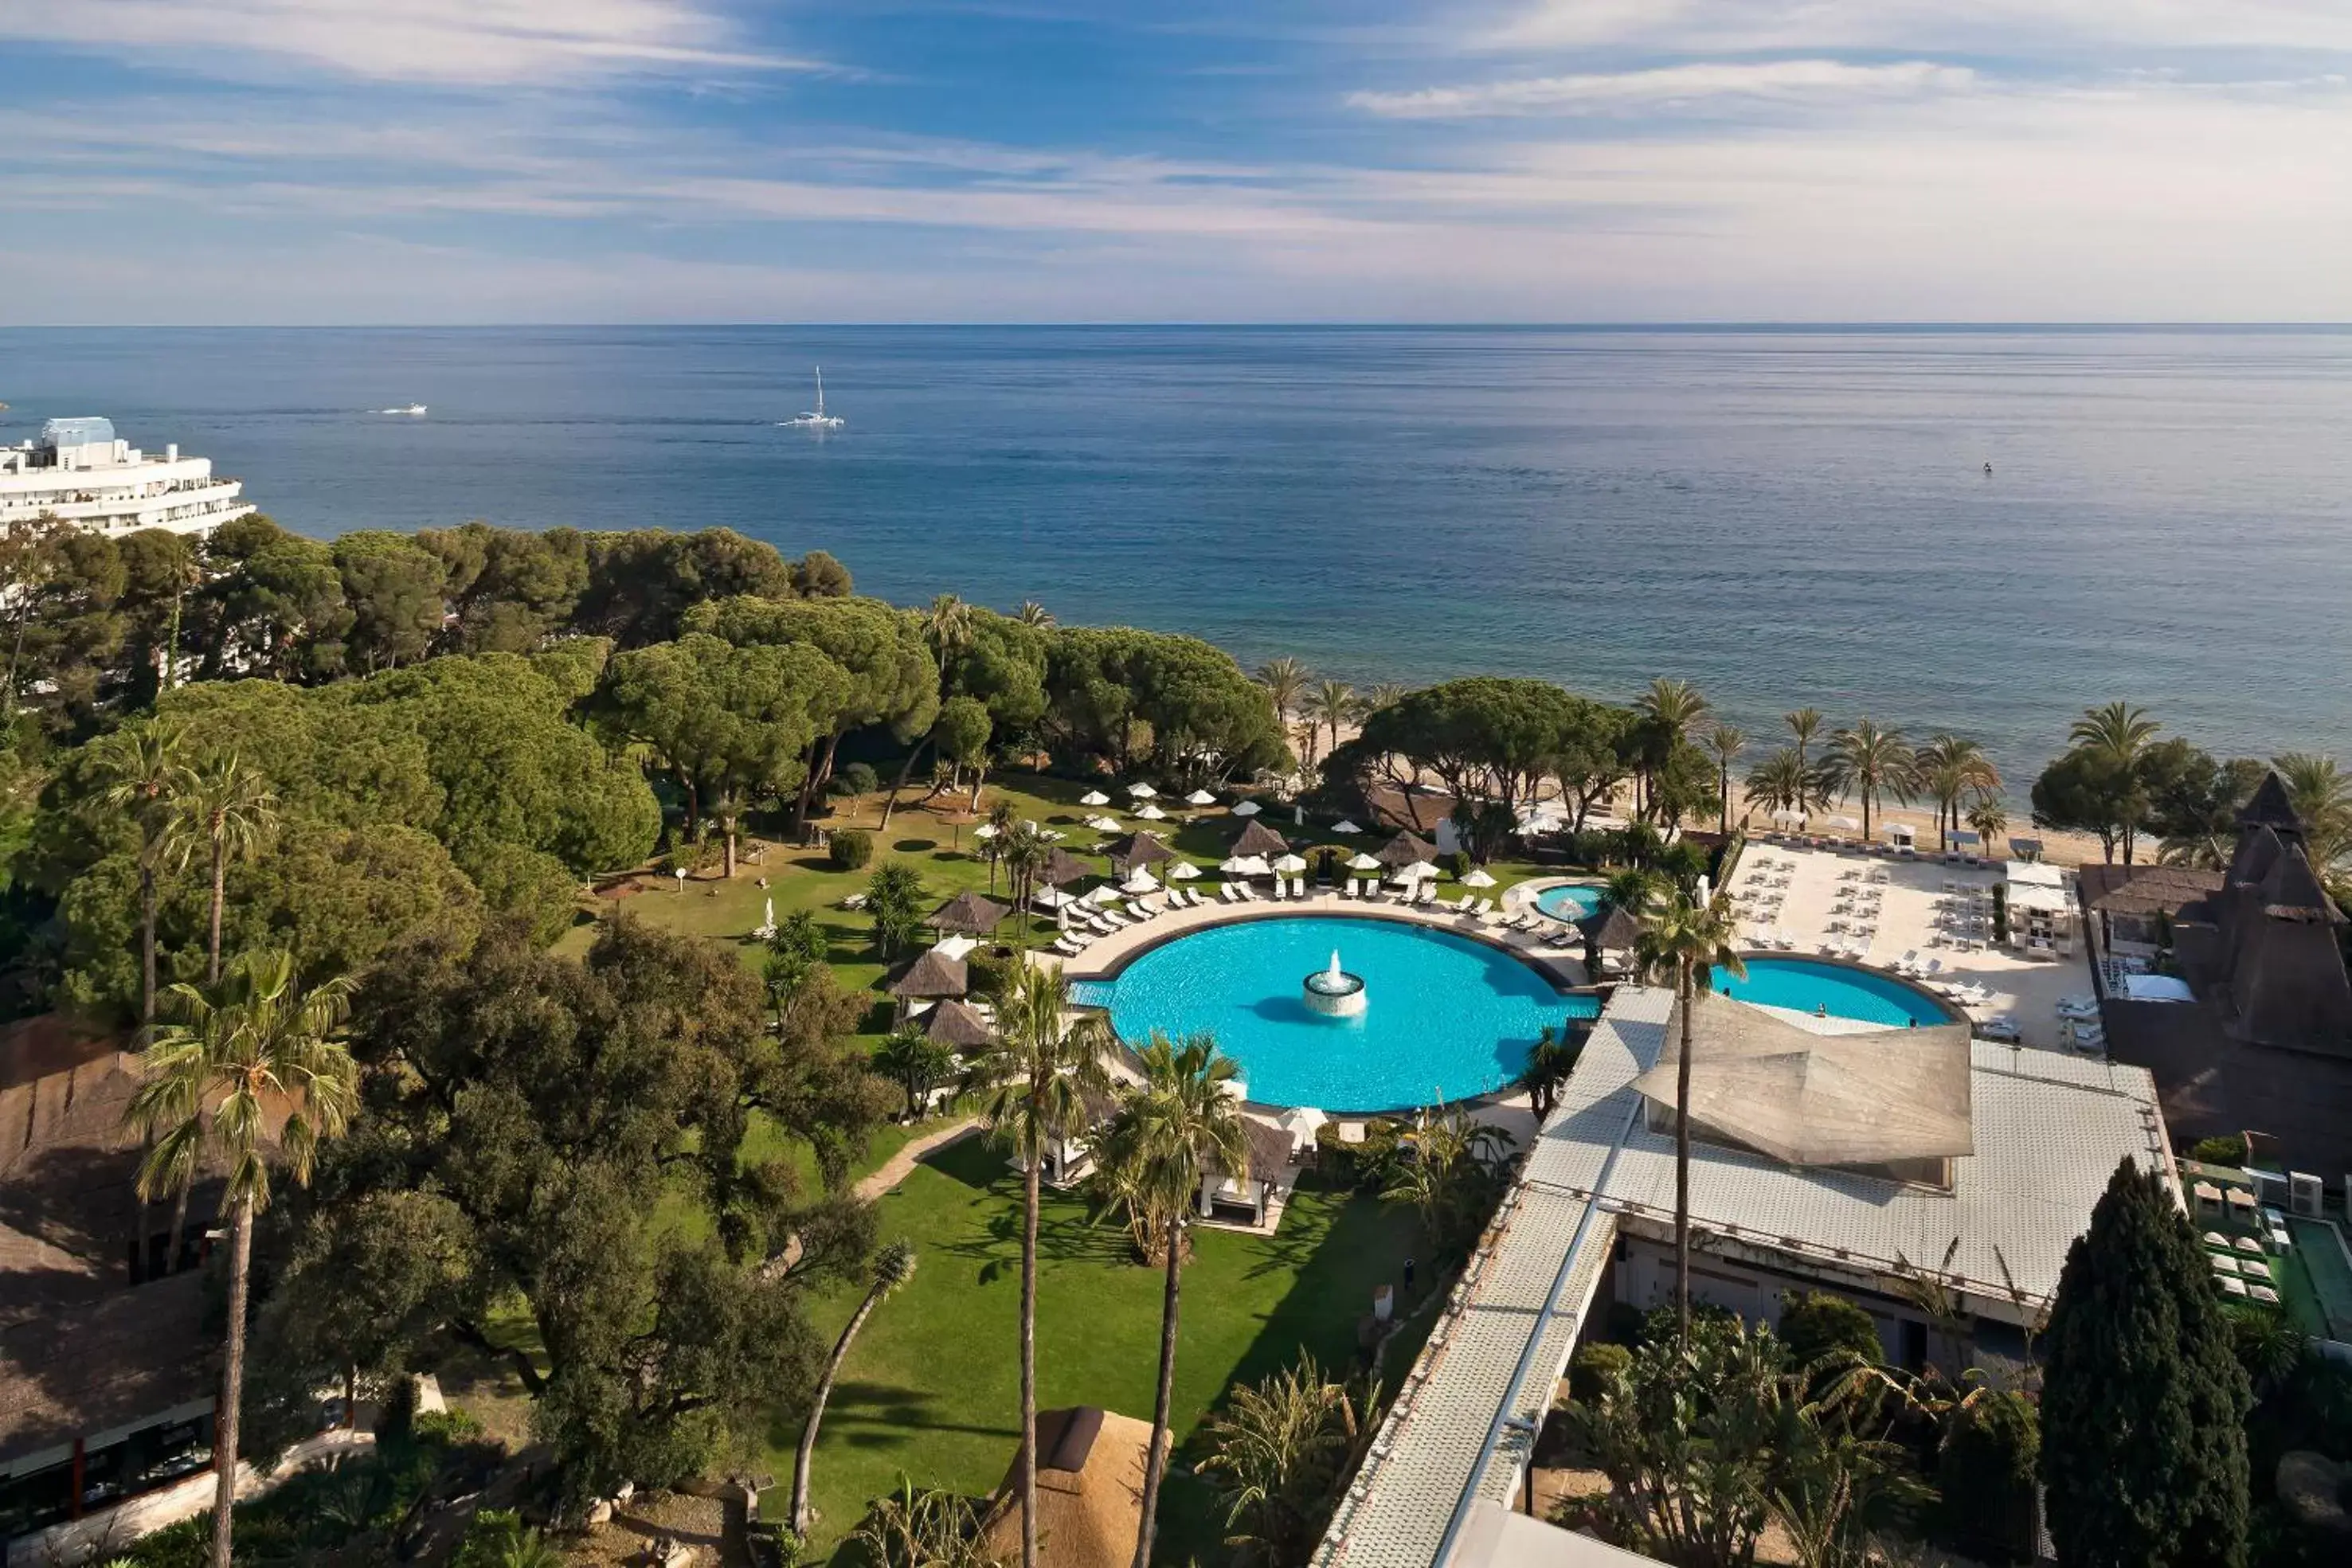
point(1800, 985)
point(1445, 1018)
point(1570, 901)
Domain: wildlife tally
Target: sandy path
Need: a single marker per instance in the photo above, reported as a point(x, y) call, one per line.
point(899, 1166)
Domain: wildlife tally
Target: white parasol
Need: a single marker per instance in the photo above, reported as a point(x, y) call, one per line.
point(1246, 865)
point(1363, 863)
point(1200, 798)
point(1289, 866)
point(1343, 826)
point(1247, 808)
point(1183, 870)
point(1141, 791)
point(1094, 798)
point(1477, 877)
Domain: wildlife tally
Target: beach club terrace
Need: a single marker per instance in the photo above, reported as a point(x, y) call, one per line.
point(1826, 1155)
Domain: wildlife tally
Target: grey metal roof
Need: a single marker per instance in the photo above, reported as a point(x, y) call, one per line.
point(2048, 1131)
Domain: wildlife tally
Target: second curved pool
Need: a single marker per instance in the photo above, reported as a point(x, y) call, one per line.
point(1840, 991)
point(1446, 1017)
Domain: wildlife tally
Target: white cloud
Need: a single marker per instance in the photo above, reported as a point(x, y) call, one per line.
point(1772, 82)
point(466, 42)
point(1999, 26)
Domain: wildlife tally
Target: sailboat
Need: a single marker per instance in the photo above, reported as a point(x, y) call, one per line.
point(817, 419)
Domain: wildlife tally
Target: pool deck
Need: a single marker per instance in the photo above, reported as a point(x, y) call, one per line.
point(1559, 958)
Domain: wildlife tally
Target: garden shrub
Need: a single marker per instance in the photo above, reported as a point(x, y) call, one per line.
point(1456, 863)
point(1815, 1322)
point(1986, 1474)
point(2229, 1150)
point(984, 972)
point(850, 849)
point(854, 779)
point(1594, 1368)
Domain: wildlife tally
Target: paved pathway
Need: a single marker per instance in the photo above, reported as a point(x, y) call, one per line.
point(899, 1166)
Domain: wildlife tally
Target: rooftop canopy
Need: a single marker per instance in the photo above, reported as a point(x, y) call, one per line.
point(1870, 1098)
point(955, 1023)
point(1257, 839)
point(930, 976)
point(1063, 868)
point(1406, 848)
point(1137, 849)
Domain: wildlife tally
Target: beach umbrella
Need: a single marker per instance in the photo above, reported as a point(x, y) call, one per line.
point(1257, 839)
point(1063, 868)
point(1302, 1123)
point(1289, 866)
point(954, 946)
point(1094, 798)
point(1363, 863)
point(1343, 826)
point(985, 831)
point(968, 913)
point(1477, 877)
point(1052, 898)
point(1415, 873)
point(1406, 848)
point(1245, 867)
point(1106, 824)
point(1200, 798)
point(1151, 813)
point(1102, 897)
point(1789, 816)
point(930, 976)
point(1845, 824)
point(1183, 870)
point(955, 1024)
point(1139, 881)
point(1141, 791)
point(1247, 808)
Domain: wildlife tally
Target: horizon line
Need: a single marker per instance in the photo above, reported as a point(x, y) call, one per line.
point(1726, 325)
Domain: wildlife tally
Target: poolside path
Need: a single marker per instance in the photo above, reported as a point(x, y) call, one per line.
point(899, 1166)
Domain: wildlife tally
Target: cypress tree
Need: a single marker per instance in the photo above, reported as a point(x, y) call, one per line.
point(2143, 1403)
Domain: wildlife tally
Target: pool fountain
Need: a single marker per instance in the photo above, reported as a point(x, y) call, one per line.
point(1334, 992)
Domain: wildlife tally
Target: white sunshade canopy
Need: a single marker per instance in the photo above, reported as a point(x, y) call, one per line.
point(1094, 798)
point(1141, 791)
point(2035, 873)
point(1246, 865)
point(1151, 813)
point(1200, 798)
point(1415, 872)
point(1363, 863)
point(953, 947)
point(1902, 833)
point(985, 831)
point(1141, 880)
point(1247, 808)
point(1289, 866)
point(1344, 826)
point(2029, 895)
point(1048, 898)
point(1789, 817)
point(1477, 877)
point(1845, 824)
point(1183, 870)
point(1106, 824)
point(1101, 897)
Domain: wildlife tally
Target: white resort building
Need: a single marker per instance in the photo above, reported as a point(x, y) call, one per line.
point(81, 473)
point(1881, 1164)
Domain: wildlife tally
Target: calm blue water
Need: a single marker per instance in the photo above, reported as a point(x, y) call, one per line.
point(1807, 986)
point(1448, 1018)
point(1569, 901)
point(1786, 518)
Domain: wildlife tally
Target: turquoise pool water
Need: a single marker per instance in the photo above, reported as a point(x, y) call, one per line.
point(1570, 901)
point(1448, 1016)
point(1807, 986)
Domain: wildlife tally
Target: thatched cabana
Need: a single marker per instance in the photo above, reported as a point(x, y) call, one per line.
point(1136, 850)
point(1257, 839)
point(1406, 848)
point(955, 1023)
point(969, 914)
point(1063, 868)
point(1089, 1491)
point(930, 977)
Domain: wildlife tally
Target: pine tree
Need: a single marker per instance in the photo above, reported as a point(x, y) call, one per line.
point(2143, 1405)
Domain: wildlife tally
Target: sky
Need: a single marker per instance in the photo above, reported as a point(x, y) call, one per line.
point(297, 161)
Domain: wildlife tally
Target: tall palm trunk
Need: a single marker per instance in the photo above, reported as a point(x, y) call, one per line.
point(1682, 1169)
point(220, 886)
point(139, 1205)
point(1027, 1462)
point(1154, 1462)
point(232, 1383)
point(804, 1460)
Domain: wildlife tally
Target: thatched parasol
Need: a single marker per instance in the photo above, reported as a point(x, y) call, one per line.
point(968, 913)
point(954, 1023)
point(1063, 868)
point(1137, 849)
point(1405, 850)
point(931, 976)
point(1257, 839)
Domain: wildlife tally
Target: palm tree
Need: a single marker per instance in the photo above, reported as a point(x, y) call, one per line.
point(144, 778)
point(227, 810)
point(1003, 819)
point(214, 1074)
point(1990, 818)
point(1035, 1082)
point(1332, 704)
point(1285, 680)
point(1669, 710)
point(1870, 762)
point(923, 1527)
point(946, 627)
point(1685, 941)
point(1387, 694)
point(1180, 1121)
point(2119, 732)
point(2321, 795)
point(1781, 782)
point(1726, 743)
point(1549, 1062)
point(1024, 849)
point(1949, 769)
point(916, 1063)
point(1804, 724)
point(893, 1267)
point(1033, 613)
point(1277, 1448)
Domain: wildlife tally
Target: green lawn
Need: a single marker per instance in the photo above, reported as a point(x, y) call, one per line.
point(932, 1386)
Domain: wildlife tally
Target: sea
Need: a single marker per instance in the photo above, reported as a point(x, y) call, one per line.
point(1974, 529)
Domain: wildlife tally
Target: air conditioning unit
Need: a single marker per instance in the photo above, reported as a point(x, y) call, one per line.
point(2302, 1194)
